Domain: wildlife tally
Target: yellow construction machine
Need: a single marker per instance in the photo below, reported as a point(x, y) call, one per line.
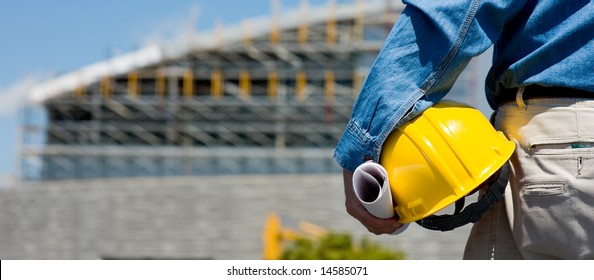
point(275, 234)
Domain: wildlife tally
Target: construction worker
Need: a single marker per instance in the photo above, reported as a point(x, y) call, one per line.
point(541, 87)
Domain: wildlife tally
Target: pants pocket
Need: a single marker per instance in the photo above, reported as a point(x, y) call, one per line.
point(544, 188)
point(554, 202)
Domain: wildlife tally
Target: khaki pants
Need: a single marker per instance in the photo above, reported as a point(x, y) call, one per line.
point(548, 209)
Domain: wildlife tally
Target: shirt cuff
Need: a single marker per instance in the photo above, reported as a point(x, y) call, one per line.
point(354, 148)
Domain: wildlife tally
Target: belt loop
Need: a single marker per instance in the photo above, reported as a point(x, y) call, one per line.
point(520, 99)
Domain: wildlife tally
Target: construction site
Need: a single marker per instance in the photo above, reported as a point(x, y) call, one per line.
point(181, 150)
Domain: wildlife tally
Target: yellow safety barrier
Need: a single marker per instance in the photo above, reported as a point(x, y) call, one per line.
point(160, 84)
point(188, 84)
point(245, 84)
point(357, 83)
point(329, 85)
point(133, 83)
point(216, 86)
point(301, 86)
point(272, 85)
point(80, 92)
point(105, 87)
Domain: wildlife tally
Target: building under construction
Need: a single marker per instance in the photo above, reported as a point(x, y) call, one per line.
point(267, 97)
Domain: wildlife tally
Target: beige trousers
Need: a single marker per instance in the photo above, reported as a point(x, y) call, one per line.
point(548, 208)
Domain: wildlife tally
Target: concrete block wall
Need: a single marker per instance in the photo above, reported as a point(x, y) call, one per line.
point(184, 218)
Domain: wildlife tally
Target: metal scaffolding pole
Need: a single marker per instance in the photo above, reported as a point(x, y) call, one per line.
point(272, 102)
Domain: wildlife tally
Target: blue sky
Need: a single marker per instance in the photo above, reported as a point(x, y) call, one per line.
point(40, 38)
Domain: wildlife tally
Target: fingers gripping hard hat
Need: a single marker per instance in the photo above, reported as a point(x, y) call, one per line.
point(441, 156)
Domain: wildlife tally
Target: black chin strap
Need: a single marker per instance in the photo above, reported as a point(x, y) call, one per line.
point(473, 212)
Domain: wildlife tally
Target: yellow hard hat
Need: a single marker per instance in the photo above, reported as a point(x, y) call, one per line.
point(441, 156)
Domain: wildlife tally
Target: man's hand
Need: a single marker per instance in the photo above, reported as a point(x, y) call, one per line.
point(357, 210)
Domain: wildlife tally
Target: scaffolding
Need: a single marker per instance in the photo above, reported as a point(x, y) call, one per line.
point(264, 100)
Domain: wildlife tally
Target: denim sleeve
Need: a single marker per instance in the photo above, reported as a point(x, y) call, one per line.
point(427, 48)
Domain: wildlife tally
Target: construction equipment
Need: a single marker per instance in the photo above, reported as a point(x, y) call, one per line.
point(274, 235)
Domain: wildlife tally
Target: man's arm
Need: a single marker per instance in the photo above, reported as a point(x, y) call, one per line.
point(429, 46)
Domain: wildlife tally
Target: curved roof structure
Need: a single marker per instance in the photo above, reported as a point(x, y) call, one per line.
point(256, 28)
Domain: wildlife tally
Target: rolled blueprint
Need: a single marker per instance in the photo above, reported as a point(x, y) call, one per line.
point(372, 188)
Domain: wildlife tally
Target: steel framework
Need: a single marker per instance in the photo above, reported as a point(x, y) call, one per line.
point(264, 100)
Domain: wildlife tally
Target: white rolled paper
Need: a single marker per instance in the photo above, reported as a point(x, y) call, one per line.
point(372, 188)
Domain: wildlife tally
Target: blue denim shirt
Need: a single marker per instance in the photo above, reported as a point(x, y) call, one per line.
point(547, 42)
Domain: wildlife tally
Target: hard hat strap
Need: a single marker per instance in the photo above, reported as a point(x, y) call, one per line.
point(473, 212)
point(459, 204)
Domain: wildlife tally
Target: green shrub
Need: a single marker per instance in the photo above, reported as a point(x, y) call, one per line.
point(337, 246)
